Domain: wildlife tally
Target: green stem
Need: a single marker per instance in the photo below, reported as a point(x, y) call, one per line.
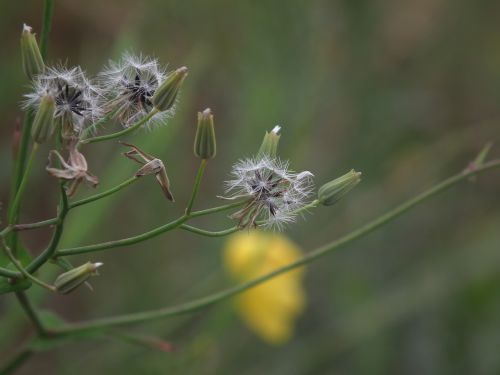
point(189, 307)
point(207, 233)
point(51, 248)
point(213, 210)
point(38, 224)
point(31, 313)
point(21, 269)
point(144, 236)
point(104, 194)
point(5, 272)
point(130, 129)
point(102, 121)
point(92, 198)
point(125, 241)
point(48, 11)
point(196, 186)
point(15, 362)
point(22, 186)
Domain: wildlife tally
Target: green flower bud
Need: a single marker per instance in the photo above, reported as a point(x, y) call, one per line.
point(31, 57)
point(72, 279)
point(43, 124)
point(165, 95)
point(204, 141)
point(269, 146)
point(332, 191)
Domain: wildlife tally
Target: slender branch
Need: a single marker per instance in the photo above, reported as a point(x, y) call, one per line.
point(38, 224)
point(102, 121)
point(143, 236)
point(51, 248)
point(207, 233)
point(123, 242)
point(130, 129)
point(14, 208)
point(32, 315)
point(196, 186)
point(15, 362)
point(21, 269)
point(213, 210)
point(48, 11)
point(92, 198)
point(189, 307)
point(5, 272)
point(104, 194)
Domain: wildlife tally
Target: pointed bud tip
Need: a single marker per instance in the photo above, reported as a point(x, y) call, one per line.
point(182, 70)
point(27, 28)
point(276, 129)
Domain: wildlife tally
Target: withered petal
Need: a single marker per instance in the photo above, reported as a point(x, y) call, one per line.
point(165, 184)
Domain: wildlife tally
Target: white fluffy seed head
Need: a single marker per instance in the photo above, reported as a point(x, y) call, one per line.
point(77, 99)
point(129, 85)
point(276, 192)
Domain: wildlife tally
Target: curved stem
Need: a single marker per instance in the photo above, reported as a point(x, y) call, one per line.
point(196, 186)
point(143, 236)
point(213, 210)
point(21, 269)
point(48, 11)
point(95, 197)
point(130, 129)
point(51, 248)
point(92, 198)
point(198, 304)
point(32, 315)
point(207, 233)
point(16, 361)
point(38, 224)
point(125, 241)
point(102, 121)
point(13, 210)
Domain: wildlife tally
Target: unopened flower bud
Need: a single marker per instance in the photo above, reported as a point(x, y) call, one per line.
point(165, 95)
point(30, 53)
point(204, 141)
point(43, 124)
point(269, 146)
point(72, 279)
point(332, 191)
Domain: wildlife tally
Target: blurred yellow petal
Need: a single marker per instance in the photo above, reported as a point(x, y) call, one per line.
point(269, 309)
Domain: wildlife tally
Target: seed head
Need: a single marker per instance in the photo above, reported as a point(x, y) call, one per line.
point(129, 86)
point(274, 193)
point(75, 97)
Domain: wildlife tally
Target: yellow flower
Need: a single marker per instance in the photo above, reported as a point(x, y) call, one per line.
point(269, 309)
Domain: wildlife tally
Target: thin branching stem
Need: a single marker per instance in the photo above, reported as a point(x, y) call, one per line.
point(23, 271)
point(190, 307)
point(130, 129)
point(51, 248)
point(16, 361)
point(208, 233)
point(31, 313)
point(104, 194)
point(48, 12)
point(143, 236)
point(13, 210)
point(196, 186)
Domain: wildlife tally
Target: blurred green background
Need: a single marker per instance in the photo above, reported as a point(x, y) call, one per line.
point(405, 91)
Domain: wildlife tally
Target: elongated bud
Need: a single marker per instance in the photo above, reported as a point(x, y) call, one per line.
point(30, 53)
point(43, 124)
point(165, 95)
point(269, 146)
point(332, 191)
point(72, 279)
point(204, 142)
